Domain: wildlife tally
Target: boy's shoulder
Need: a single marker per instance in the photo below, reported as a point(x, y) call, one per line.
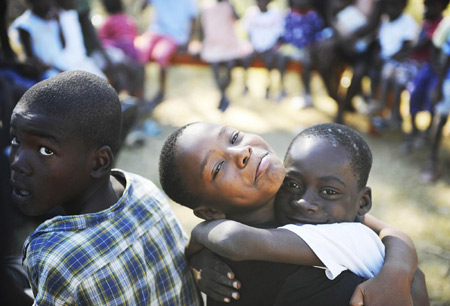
point(66, 233)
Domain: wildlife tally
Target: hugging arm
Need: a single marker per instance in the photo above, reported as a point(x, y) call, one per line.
point(239, 242)
point(399, 281)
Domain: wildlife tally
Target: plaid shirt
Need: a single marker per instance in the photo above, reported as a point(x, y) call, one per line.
point(129, 254)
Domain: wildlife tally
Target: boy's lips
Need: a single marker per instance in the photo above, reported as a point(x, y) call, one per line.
point(262, 166)
point(304, 221)
point(20, 192)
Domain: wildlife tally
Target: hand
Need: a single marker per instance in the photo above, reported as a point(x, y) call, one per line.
point(387, 288)
point(214, 277)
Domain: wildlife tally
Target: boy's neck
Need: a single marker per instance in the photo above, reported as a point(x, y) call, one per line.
point(263, 216)
point(101, 198)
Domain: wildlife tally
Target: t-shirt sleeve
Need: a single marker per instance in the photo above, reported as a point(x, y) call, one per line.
point(343, 246)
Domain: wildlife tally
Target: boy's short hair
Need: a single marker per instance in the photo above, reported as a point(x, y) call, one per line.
point(349, 140)
point(82, 99)
point(171, 175)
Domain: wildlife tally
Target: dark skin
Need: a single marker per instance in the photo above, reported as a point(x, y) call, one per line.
point(51, 167)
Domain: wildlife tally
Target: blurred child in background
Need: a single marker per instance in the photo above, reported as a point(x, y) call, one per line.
point(171, 29)
point(302, 28)
point(52, 40)
point(221, 46)
point(397, 35)
point(353, 43)
point(426, 79)
point(264, 27)
point(441, 96)
point(117, 35)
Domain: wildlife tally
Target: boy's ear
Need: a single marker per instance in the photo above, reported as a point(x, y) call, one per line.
point(365, 201)
point(208, 213)
point(103, 161)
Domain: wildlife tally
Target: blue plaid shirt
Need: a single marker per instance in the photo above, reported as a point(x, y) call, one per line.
point(129, 254)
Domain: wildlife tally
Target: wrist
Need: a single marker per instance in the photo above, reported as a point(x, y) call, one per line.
point(397, 272)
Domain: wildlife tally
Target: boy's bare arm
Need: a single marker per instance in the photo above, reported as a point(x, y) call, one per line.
point(239, 242)
point(397, 273)
point(400, 249)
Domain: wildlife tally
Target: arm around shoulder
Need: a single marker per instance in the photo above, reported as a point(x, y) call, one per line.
point(240, 242)
point(399, 282)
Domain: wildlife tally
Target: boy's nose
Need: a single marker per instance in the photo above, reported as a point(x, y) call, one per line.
point(306, 204)
point(241, 155)
point(18, 162)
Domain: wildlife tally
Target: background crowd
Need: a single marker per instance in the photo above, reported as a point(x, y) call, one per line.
point(380, 66)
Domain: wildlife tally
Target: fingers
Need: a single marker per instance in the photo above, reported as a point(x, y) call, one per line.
point(217, 286)
point(214, 277)
point(357, 298)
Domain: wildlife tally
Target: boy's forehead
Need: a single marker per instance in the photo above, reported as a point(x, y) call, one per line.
point(303, 146)
point(31, 121)
point(200, 133)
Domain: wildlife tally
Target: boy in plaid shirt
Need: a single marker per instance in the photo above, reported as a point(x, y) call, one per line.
point(118, 242)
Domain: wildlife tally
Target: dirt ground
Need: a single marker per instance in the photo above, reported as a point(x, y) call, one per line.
point(400, 197)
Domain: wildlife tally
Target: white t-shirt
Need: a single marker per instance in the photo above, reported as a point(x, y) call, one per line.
point(350, 19)
point(263, 28)
point(392, 34)
point(343, 246)
point(46, 42)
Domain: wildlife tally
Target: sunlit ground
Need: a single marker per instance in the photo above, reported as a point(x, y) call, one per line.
point(400, 197)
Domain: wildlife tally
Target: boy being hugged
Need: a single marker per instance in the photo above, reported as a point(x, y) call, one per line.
point(118, 241)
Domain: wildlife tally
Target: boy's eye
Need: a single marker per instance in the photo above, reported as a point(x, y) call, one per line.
point(292, 185)
point(234, 137)
point(46, 151)
point(329, 192)
point(14, 141)
point(217, 169)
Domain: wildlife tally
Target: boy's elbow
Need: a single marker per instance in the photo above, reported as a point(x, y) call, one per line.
point(231, 242)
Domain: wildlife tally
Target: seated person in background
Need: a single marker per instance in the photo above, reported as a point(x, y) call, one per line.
point(441, 98)
point(15, 78)
point(397, 35)
point(118, 241)
point(117, 35)
point(264, 27)
point(221, 46)
point(172, 28)
point(53, 41)
point(353, 43)
point(426, 79)
point(302, 29)
point(238, 180)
